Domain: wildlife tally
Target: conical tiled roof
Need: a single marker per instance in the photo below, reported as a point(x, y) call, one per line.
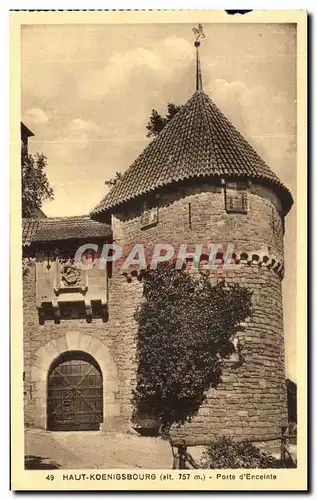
point(198, 142)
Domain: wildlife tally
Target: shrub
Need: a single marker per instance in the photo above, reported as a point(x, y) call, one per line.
point(225, 453)
point(185, 328)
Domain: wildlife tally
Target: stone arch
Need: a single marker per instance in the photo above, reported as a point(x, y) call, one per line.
point(75, 341)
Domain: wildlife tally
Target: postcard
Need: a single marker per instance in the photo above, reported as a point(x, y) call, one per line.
point(159, 250)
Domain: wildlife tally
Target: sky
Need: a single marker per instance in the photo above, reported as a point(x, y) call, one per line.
point(88, 91)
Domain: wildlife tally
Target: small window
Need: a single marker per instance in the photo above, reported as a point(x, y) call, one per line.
point(277, 222)
point(236, 197)
point(149, 217)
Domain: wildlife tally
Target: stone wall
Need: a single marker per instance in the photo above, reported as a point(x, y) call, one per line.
point(118, 337)
point(208, 222)
point(251, 399)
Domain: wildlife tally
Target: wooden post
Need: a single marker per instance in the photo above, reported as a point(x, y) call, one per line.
point(175, 457)
point(283, 444)
point(182, 456)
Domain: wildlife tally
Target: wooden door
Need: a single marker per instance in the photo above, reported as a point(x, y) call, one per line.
point(75, 396)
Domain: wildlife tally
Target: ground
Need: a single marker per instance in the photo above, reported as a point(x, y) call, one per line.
point(95, 450)
point(99, 450)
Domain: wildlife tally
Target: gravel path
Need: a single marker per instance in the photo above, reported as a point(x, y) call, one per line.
point(95, 450)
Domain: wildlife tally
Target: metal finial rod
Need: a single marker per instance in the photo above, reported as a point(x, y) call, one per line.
point(199, 33)
point(199, 80)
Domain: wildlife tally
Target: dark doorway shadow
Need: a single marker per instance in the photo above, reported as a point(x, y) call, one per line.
point(32, 462)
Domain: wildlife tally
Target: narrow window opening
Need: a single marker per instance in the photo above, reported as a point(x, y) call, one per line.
point(236, 197)
point(149, 216)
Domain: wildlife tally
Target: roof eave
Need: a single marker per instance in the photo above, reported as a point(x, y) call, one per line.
point(281, 190)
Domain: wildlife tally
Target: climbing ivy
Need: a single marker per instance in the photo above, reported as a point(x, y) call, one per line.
point(185, 329)
point(27, 263)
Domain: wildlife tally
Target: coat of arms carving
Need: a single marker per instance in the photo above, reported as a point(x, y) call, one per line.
point(70, 274)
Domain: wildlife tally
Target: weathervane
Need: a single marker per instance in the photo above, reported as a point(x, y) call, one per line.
point(199, 34)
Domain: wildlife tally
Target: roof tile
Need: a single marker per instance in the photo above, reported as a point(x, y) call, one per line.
point(198, 141)
point(62, 228)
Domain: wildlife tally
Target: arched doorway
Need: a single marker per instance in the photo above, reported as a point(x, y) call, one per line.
point(74, 393)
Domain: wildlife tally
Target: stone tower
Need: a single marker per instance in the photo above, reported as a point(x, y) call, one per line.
point(197, 182)
point(200, 181)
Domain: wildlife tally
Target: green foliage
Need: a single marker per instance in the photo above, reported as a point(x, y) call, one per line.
point(158, 122)
point(185, 327)
point(154, 127)
point(114, 180)
point(27, 263)
point(35, 185)
point(291, 401)
point(228, 454)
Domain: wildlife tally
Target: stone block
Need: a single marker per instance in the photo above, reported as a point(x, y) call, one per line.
point(38, 374)
point(72, 339)
point(61, 344)
point(242, 413)
point(84, 342)
point(114, 424)
point(40, 422)
point(112, 410)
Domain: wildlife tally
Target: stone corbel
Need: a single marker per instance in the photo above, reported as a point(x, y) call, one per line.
point(104, 310)
point(41, 314)
point(57, 277)
point(56, 312)
point(88, 308)
point(84, 278)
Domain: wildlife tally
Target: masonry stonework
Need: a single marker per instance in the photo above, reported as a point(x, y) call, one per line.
point(250, 402)
point(117, 336)
point(209, 221)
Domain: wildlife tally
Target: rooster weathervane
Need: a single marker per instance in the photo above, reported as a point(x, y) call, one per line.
point(199, 34)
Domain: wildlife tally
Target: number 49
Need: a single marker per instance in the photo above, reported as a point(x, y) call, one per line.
point(50, 477)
